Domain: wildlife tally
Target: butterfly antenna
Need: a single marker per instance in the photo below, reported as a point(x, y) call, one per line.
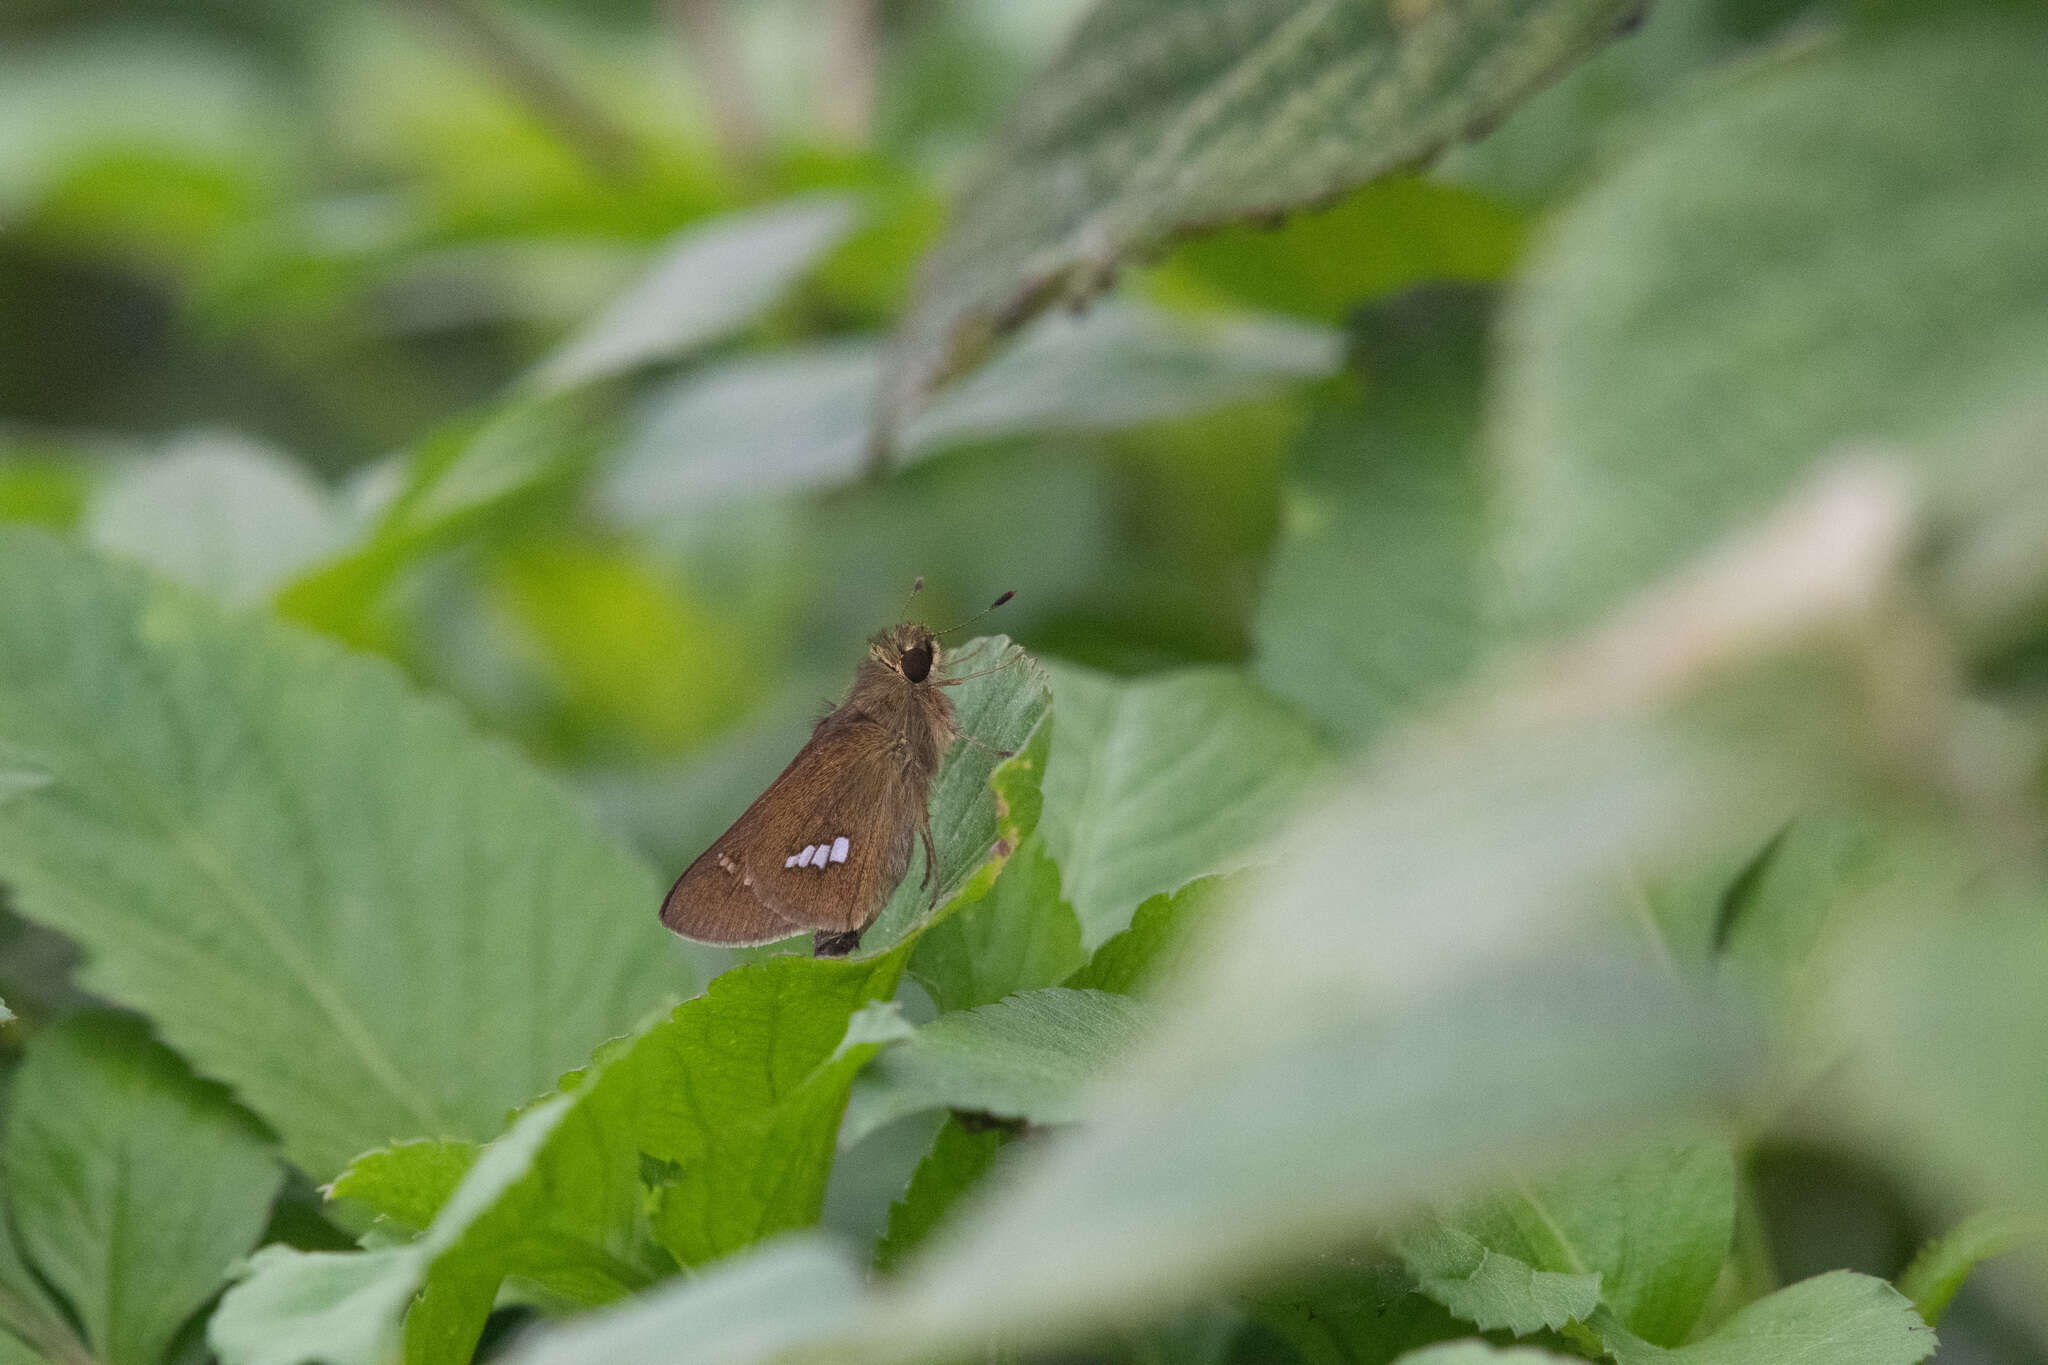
point(978, 615)
point(915, 588)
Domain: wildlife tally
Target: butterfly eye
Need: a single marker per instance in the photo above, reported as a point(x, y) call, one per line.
point(917, 663)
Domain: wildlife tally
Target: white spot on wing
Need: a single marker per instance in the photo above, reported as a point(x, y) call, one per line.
point(839, 847)
point(790, 861)
point(803, 859)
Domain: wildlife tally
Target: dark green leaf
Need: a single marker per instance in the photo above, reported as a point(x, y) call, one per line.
point(959, 1158)
point(1160, 941)
point(1163, 116)
point(1019, 937)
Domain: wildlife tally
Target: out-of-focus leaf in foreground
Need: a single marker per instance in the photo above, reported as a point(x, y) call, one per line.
point(324, 889)
point(133, 1187)
point(1860, 233)
point(1163, 116)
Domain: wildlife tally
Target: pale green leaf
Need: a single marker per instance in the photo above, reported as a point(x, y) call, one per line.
point(1163, 116)
point(1019, 937)
point(323, 889)
point(1859, 235)
point(1371, 602)
point(339, 1308)
point(803, 417)
point(1030, 1056)
point(1840, 1318)
point(1480, 1353)
point(749, 1309)
point(218, 512)
point(133, 1186)
point(1492, 1291)
point(1941, 1267)
point(709, 279)
point(1156, 781)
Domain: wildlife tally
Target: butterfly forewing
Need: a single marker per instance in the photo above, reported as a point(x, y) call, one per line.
point(821, 849)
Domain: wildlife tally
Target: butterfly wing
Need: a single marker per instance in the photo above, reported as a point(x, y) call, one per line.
point(822, 848)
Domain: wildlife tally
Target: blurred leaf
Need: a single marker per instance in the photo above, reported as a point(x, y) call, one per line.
point(1940, 1268)
point(1480, 1353)
point(133, 1186)
point(1371, 604)
point(1160, 118)
point(1651, 1231)
point(638, 661)
point(1860, 233)
point(407, 1182)
point(217, 512)
point(959, 1158)
point(292, 1306)
point(1155, 782)
point(1030, 1056)
point(746, 1309)
point(709, 280)
point(322, 888)
point(1019, 937)
point(797, 418)
point(47, 490)
point(1492, 1291)
point(1377, 240)
point(1351, 1310)
point(1122, 364)
point(65, 102)
point(1840, 1318)
point(1159, 943)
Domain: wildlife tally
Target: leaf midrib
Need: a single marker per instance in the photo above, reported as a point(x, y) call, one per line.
point(242, 902)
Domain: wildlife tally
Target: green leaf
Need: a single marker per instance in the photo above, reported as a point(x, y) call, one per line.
point(407, 1182)
point(802, 417)
point(1859, 234)
point(1840, 1318)
point(1000, 711)
point(729, 1104)
point(1160, 942)
point(218, 512)
point(1940, 1268)
point(1163, 116)
point(1031, 1057)
point(1480, 1353)
point(1371, 603)
point(133, 1186)
point(1492, 1291)
point(1154, 782)
point(709, 280)
point(324, 890)
point(959, 1158)
point(1652, 1230)
point(1019, 937)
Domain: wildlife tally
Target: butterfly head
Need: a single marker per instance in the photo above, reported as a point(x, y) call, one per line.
point(909, 649)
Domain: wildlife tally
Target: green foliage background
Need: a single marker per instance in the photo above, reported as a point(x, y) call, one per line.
point(1515, 832)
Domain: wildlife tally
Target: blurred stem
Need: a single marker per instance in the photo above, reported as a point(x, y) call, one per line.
point(846, 99)
point(713, 48)
point(543, 87)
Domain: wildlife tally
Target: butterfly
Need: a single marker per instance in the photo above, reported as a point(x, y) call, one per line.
point(826, 844)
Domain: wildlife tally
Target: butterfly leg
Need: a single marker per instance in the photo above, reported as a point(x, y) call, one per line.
point(931, 860)
point(826, 943)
